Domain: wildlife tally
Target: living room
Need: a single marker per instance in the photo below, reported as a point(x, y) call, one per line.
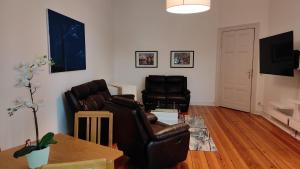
point(114, 30)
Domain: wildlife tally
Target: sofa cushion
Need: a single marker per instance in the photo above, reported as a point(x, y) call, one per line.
point(92, 103)
point(156, 84)
point(101, 84)
point(175, 79)
point(98, 101)
point(175, 97)
point(174, 88)
point(157, 88)
point(156, 96)
point(81, 91)
point(157, 78)
point(93, 87)
point(105, 95)
point(175, 84)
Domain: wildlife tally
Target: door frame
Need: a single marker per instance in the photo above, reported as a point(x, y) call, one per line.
point(255, 65)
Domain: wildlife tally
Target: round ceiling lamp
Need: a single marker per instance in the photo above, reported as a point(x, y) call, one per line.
point(187, 6)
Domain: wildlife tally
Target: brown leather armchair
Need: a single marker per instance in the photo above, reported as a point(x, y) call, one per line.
point(90, 96)
point(149, 145)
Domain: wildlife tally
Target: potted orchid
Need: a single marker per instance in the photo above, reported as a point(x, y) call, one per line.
point(37, 155)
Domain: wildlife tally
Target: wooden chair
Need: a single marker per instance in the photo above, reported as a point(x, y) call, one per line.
point(89, 164)
point(93, 125)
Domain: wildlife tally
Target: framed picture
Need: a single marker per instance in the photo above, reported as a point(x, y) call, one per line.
point(182, 59)
point(146, 59)
point(67, 43)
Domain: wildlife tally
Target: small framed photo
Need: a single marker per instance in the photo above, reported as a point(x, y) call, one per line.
point(146, 59)
point(182, 59)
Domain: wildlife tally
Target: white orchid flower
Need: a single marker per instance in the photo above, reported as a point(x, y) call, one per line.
point(25, 82)
point(29, 104)
point(26, 73)
point(34, 66)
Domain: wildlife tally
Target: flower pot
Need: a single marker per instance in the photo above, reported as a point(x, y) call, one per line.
point(38, 158)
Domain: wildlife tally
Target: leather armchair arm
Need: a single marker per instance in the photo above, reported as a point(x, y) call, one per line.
point(187, 92)
point(171, 131)
point(75, 106)
point(151, 117)
point(144, 91)
point(128, 96)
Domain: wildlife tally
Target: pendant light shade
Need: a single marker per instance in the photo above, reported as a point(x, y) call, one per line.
point(187, 6)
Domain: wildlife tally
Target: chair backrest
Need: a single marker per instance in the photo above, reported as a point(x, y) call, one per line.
point(132, 128)
point(89, 164)
point(93, 125)
point(155, 84)
point(88, 96)
point(176, 84)
point(166, 84)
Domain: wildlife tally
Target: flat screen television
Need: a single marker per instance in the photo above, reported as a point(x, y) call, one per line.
point(277, 55)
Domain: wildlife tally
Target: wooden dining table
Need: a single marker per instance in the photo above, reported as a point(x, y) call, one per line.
point(68, 149)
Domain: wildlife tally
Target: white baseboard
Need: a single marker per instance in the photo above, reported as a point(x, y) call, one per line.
point(282, 126)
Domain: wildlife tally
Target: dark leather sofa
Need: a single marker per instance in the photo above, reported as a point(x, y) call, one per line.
point(90, 96)
point(149, 145)
point(166, 92)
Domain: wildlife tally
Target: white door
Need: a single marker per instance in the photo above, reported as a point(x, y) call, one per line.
point(237, 49)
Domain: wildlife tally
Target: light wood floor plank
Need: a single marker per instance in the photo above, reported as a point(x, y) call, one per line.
point(248, 151)
point(264, 141)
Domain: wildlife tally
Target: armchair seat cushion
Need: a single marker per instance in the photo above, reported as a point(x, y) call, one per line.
point(106, 95)
point(156, 96)
point(176, 98)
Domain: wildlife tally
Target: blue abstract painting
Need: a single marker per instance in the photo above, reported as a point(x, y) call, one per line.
point(67, 43)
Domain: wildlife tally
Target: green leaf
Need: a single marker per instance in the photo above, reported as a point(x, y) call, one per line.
point(24, 151)
point(46, 140)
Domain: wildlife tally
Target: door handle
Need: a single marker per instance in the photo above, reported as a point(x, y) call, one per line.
point(250, 74)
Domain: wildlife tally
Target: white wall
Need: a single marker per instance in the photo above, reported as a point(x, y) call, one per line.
point(145, 25)
point(237, 12)
point(283, 17)
point(23, 36)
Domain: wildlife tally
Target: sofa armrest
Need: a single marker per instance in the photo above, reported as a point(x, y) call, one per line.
point(73, 102)
point(187, 92)
point(151, 117)
point(127, 96)
point(171, 130)
point(145, 91)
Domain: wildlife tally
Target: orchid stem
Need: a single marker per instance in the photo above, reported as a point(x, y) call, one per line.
point(35, 116)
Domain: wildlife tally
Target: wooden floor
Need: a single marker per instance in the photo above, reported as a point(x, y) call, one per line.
point(243, 141)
